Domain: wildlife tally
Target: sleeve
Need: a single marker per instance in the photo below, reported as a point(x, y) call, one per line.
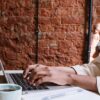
point(92, 69)
point(98, 84)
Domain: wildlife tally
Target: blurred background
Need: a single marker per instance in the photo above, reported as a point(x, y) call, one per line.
point(50, 32)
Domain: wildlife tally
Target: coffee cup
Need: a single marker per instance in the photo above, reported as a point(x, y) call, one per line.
point(10, 92)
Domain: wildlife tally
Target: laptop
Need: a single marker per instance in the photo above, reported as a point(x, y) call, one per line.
point(17, 78)
point(56, 93)
point(71, 93)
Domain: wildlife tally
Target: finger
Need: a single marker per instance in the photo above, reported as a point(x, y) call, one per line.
point(39, 72)
point(36, 75)
point(28, 76)
point(35, 78)
point(43, 80)
point(30, 67)
point(32, 76)
point(39, 75)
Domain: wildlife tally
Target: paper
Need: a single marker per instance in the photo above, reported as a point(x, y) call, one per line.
point(74, 93)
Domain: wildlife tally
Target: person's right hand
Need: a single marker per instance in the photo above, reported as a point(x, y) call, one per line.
point(41, 74)
point(32, 68)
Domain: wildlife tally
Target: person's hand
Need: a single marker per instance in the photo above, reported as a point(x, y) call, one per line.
point(27, 72)
point(41, 74)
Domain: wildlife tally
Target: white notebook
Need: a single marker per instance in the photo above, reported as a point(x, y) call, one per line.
point(73, 93)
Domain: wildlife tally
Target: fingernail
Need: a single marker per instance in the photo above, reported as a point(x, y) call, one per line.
point(24, 76)
point(34, 84)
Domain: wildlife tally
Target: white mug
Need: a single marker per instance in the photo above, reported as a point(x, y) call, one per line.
point(10, 92)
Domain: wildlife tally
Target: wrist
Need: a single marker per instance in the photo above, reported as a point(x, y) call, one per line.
point(72, 77)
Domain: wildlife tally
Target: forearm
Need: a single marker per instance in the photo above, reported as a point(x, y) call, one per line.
point(65, 69)
point(83, 81)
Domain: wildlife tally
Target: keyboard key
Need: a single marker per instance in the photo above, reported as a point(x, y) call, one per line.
point(18, 79)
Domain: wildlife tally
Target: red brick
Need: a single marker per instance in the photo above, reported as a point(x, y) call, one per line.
point(44, 20)
point(64, 44)
point(98, 19)
point(60, 60)
point(44, 43)
point(1, 6)
point(65, 3)
point(56, 11)
point(96, 2)
point(81, 3)
point(43, 50)
point(46, 4)
point(98, 11)
point(61, 27)
point(72, 19)
point(56, 20)
point(45, 12)
point(60, 35)
point(53, 51)
point(75, 36)
point(10, 54)
point(66, 11)
point(44, 59)
point(46, 28)
point(17, 8)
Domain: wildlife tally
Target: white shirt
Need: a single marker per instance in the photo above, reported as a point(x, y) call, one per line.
point(91, 69)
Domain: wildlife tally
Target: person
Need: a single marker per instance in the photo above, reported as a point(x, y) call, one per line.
point(86, 76)
point(95, 42)
point(97, 51)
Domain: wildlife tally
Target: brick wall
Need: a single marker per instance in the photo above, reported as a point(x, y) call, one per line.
point(61, 32)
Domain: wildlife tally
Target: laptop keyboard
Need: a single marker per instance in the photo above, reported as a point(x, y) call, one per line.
point(18, 79)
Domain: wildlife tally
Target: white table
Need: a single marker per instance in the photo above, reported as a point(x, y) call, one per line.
point(85, 96)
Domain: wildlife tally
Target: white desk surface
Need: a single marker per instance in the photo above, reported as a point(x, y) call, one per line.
point(88, 95)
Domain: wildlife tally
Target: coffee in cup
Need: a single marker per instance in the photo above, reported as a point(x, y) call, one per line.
point(10, 92)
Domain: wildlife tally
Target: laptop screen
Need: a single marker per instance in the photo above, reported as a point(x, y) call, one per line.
point(2, 69)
